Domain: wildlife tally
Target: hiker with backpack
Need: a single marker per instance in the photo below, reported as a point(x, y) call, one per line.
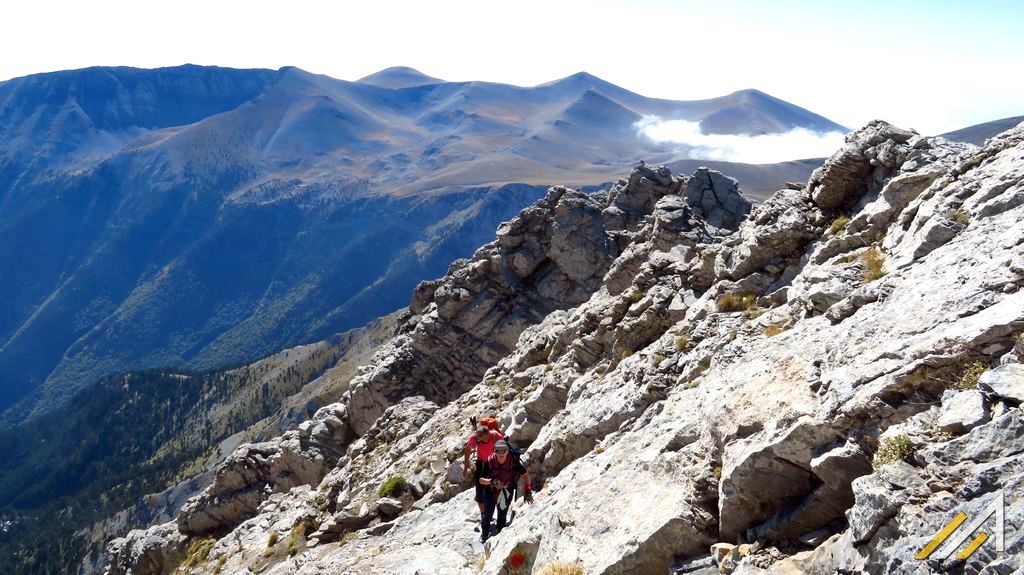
point(498, 476)
point(482, 442)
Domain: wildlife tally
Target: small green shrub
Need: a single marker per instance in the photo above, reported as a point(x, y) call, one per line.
point(560, 568)
point(350, 536)
point(657, 358)
point(396, 483)
point(839, 224)
point(873, 263)
point(731, 302)
point(681, 342)
point(893, 449)
point(959, 216)
point(968, 376)
point(625, 353)
point(273, 539)
point(636, 295)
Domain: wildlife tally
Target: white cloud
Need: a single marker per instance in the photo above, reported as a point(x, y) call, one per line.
point(796, 144)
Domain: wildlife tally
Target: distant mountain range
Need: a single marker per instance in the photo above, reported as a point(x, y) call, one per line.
point(978, 133)
point(397, 130)
point(201, 216)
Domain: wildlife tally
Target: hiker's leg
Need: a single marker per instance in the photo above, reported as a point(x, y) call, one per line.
point(479, 498)
point(503, 513)
point(479, 488)
point(512, 492)
point(488, 512)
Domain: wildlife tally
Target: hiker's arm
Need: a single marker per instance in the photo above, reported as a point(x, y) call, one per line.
point(465, 458)
point(527, 488)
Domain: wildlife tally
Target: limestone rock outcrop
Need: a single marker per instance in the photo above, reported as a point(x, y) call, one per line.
point(553, 255)
point(158, 550)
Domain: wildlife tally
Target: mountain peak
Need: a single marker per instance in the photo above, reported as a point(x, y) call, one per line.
point(583, 75)
point(580, 77)
point(751, 92)
point(752, 111)
point(399, 77)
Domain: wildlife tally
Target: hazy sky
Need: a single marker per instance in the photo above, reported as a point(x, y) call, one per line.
point(933, 66)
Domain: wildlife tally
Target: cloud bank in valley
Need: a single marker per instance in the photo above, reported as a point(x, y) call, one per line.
point(796, 144)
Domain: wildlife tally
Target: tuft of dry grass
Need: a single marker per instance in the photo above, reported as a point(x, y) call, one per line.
point(873, 264)
point(295, 538)
point(839, 224)
point(753, 313)
point(198, 552)
point(774, 329)
point(731, 302)
point(560, 568)
point(849, 258)
point(681, 342)
point(959, 216)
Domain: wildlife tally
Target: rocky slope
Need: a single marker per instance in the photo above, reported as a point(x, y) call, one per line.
point(816, 386)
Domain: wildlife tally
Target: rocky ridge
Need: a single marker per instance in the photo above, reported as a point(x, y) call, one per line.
point(700, 389)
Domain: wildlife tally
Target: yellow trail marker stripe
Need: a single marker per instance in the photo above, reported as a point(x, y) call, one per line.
point(970, 549)
point(934, 543)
